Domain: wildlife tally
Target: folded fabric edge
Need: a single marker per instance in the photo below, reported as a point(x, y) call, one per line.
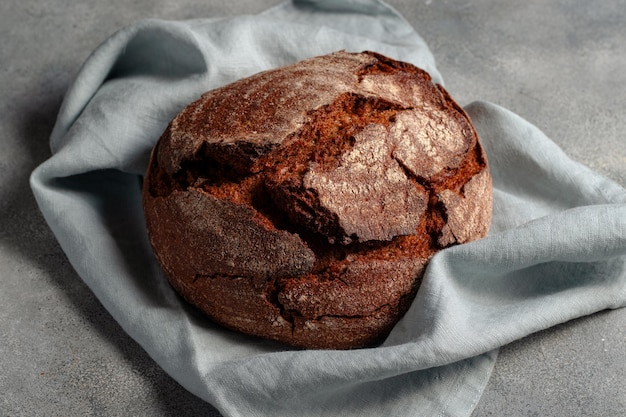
point(486, 116)
point(398, 31)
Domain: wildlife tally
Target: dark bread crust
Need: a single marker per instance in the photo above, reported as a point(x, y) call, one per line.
point(302, 204)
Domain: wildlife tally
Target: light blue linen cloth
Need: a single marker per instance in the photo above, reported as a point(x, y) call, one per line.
point(556, 249)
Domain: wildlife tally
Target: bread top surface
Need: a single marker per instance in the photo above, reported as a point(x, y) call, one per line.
point(350, 146)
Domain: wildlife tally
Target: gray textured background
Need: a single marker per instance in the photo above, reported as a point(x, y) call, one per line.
point(559, 64)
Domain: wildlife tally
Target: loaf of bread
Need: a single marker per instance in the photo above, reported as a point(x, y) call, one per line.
point(303, 203)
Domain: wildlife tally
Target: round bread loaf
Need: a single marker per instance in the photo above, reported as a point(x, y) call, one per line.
point(302, 204)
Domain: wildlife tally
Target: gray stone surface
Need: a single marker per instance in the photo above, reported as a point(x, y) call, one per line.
point(559, 64)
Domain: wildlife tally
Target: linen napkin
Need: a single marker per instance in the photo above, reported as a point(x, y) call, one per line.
point(556, 249)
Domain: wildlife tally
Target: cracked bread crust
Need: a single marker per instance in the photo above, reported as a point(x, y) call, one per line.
point(302, 204)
